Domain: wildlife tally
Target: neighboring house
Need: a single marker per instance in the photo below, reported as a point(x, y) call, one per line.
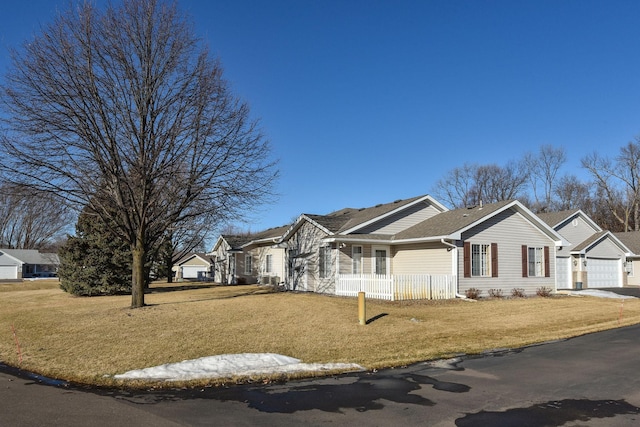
point(249, 258)
point(27, 263)
point(631, 240)
point(593, 258)
point(194, 266)
point(496, 246)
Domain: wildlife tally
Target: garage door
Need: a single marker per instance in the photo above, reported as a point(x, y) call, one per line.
point(191, 271)
point(604, 273)
point(8, 272)
point(563, 273)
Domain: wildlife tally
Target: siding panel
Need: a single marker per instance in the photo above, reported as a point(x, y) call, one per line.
point(510, 231)
point(402, 220)
point(425, 258)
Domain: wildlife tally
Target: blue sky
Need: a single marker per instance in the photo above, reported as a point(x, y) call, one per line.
point(366, 102)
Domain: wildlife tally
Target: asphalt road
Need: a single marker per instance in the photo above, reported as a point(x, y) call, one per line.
point(586, 381)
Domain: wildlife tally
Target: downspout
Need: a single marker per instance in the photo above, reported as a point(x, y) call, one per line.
point(455, 248)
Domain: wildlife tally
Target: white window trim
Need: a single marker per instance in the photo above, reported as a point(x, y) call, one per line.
point(374, 259)
point(248, 264)
point(538, 261)
point(268, 263)
point(326, 263)
point(487, 259)
point(353, 258)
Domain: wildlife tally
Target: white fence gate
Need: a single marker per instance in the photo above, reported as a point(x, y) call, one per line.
point(397, 287)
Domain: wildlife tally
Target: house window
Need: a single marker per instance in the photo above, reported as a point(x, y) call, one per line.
point(480, 260)
point(536, 262)
point(381, 261)
point(356, 259)
point(268, 264)
point(324, 261)
point(247, 264)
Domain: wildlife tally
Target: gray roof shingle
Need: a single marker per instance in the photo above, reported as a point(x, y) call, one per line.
point(449, 222)
point(554, 218)
point(631, 240)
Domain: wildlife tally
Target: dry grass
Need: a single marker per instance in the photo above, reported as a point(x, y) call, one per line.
point(88, 340)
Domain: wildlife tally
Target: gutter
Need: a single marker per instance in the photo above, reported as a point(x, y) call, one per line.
point(454, 247)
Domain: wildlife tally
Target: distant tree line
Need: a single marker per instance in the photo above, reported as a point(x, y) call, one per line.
point(610, 195)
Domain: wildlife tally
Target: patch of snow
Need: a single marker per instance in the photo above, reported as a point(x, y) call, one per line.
point(229, 365)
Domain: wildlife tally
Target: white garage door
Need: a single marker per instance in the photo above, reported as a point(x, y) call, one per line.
point(604, 273)
point(563, 273)
point(8, 272)
point(191, 271)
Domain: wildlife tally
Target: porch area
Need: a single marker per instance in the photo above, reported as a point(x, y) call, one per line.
point(397, 287)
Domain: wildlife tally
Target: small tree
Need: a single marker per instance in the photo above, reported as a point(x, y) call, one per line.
point(94, 261)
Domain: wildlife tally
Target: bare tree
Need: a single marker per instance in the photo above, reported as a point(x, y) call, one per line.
point(543, 171)
point(473, 184)
point(497, 183)
point(136, 122)
point(618, 183)
point(455, 189)
point(571, 193)
point(31, 220)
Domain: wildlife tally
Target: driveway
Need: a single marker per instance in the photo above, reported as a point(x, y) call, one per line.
point(587, 381)
point(630, 292)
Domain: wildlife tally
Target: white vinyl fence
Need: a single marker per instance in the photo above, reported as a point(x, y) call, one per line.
point(397, 287)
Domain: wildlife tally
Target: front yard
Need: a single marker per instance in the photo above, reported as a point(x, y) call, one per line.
point(88, 340)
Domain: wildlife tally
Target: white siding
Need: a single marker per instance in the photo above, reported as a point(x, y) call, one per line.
point(425, 258)
point(277, 272)
point(306, 273)
point(606, 249)
point(575, 231)
point(563, 273)
point(509, 230)
point(402, 220)
point(633, 273)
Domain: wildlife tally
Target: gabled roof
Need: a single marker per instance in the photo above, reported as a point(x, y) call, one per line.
point(349, 220)
point(32, 256)
point(204, 257)
point(556, 219)
point(237, 241)
point(597, 238)
point(631, 240)
point(234, 242)
point(451, 224)
point(272, 235)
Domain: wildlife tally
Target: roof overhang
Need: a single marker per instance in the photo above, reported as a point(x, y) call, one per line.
point(380, 241)
point(582, 215)
point(423, 199)
point(607, 234)
point(297, 224)
point(529, 216)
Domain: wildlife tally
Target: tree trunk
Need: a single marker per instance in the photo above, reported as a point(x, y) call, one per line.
point(137, 276)
point(169, 266)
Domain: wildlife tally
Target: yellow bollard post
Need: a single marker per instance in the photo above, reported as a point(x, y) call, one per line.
point(362, 316)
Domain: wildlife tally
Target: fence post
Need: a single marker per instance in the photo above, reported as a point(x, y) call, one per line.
point(362, 316)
